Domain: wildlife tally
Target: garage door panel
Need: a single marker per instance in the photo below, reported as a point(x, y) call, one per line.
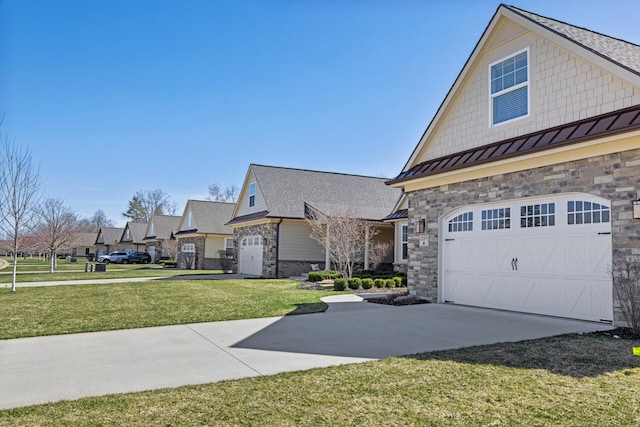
point(561, 269)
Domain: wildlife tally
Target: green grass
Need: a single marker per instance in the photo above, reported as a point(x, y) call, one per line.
point(34, 270)
point(596, 383)
point(54, 310)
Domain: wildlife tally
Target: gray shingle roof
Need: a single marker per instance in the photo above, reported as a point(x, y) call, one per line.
point(621, 52)
point(137, 229)
point(286, 191)
point(211, 217)
point(110, 235)
point(164, 225)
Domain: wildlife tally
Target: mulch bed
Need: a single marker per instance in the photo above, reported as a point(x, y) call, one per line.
point(618, 333)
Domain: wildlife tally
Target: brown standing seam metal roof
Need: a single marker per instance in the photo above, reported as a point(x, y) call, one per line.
point(584, 130)
point(399, 214)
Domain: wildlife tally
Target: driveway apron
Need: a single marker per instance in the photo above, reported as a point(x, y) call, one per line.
point(47, 369)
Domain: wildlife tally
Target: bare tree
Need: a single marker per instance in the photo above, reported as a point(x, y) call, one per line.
point(57, 227)
point(95, 223)
point(145, 204)
point(171, 248)
point(19, 193)
point(343, 235)
point(380, 253)
point(626, 285)
point(228, 194)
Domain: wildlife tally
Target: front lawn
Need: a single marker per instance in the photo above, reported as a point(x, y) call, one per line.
point(87, 308)
point(572, 380)
point(34, 270)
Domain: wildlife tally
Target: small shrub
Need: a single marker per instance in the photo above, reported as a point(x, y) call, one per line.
point(339, 284)
point(315, 276)
point(398, 280)
point(389, 283)
point(355, 283)
point(367, 283)
point(379, 283)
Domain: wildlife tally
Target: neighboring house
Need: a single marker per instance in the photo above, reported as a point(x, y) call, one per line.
point(83, 245)
point(202, 234)
point(132, 238)
point(521, 190)
point(108, 240)
point(160, 231)
point(271, 232)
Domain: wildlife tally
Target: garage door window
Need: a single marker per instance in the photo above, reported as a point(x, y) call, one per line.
point(583, 212)
point(496, 219)
point(538, 215)
point(463, 222)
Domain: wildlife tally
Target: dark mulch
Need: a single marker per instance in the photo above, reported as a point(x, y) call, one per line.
point(396, 298)
point(618, 333)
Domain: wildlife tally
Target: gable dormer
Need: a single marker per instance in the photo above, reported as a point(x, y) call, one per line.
point(251, 199)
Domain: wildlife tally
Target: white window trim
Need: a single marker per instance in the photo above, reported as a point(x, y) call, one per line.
point(189, 248)
point(512, 88)
point(404, 226)
point(228, 243)
point(252, 186)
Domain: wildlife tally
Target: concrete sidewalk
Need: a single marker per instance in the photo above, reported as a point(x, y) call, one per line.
point(130, 280)
point(45, 369)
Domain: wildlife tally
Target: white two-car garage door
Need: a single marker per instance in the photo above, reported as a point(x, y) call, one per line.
point(548, 256)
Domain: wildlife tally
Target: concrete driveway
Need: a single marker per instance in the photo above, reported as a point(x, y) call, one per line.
point(45, 369)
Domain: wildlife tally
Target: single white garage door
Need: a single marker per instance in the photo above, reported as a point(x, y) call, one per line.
point(250, 257)
point(547, 256)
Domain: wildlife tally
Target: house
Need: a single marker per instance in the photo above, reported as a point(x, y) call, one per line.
point(203, 236)
point(159, 234)
point(108, 240)
point(132, 238)
point(270, 227)
point(83, 245)
point(520, 192)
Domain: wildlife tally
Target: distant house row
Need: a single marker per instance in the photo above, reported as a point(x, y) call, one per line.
point(266, 233)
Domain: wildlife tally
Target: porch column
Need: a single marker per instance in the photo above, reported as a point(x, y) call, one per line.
point(366, 248)
point(327, 249)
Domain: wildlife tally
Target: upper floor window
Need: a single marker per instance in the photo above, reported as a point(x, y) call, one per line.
point(252, 194)
point(510, 88)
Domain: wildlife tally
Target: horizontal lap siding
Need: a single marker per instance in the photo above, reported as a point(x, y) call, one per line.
point(295, 243)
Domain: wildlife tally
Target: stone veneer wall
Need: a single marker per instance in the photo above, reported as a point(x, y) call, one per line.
point(269, 255)
point(615, 177)
point(296, 268)
point(199, 243)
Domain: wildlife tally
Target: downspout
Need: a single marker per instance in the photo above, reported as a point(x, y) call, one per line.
point(278, 247)
point(366, 248)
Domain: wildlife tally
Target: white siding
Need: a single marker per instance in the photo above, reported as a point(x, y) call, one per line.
point(295, 243)
point(563, 88)
point(243, 203)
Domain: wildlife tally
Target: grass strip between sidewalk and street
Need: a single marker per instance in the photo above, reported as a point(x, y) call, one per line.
point(71, 309)
point(571, 380)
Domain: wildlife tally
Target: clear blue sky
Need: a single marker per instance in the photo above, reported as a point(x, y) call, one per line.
point(117, 96)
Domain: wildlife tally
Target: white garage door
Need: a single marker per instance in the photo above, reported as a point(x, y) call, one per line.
point(250, 257)
point(547, 256)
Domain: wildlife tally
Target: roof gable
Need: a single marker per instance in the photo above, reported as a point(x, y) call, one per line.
point(109, 235)
point(511, 29)
point(161, 227)
point(206, 217)
point(133, 232)
point(287, 190)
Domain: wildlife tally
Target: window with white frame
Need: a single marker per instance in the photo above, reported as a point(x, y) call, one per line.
point(252, 194)
point(510, 88)
point(538, 215)
point(583, 212)
point(228, 246)
point(189, 247)
point(496, 219)
point(404, 241)
point(462, 222)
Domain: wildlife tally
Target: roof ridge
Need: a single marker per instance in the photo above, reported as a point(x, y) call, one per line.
point(317, 171)
point(518, 10)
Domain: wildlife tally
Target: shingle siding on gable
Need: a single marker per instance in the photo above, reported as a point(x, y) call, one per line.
point(243, 204)
point(563, 88)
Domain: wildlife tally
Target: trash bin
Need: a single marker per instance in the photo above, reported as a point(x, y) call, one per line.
point(101, 267)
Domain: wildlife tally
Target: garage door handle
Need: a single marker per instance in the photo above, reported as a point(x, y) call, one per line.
point(514, 264)
point(608, 232)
